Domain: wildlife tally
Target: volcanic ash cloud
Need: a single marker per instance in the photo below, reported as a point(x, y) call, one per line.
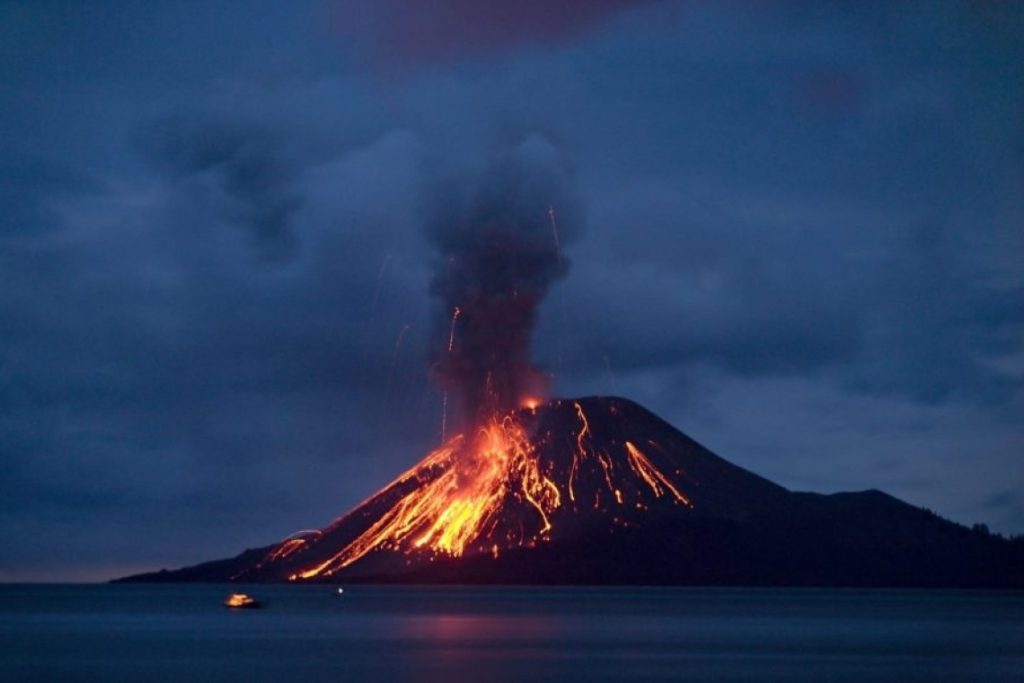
point(499, 238)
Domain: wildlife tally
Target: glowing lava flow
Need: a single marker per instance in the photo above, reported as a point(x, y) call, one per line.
point(581, 451)
point(651, 474)
point(448, 513)
point(499, 489)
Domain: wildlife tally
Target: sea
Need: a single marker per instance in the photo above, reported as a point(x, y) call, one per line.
point(179, 633)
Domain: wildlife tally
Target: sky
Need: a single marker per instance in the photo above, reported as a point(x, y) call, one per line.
point(797, 236)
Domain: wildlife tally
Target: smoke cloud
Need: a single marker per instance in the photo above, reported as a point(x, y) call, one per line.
point(499, 252)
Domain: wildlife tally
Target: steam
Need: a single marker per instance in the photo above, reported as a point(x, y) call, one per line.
point(498, 255)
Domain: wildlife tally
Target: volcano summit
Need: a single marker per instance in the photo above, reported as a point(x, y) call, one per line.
point(599, 490)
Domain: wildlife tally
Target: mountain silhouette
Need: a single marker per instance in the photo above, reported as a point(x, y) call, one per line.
point(601, 491)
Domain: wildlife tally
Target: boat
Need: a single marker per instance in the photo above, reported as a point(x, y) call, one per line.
point(241, 601)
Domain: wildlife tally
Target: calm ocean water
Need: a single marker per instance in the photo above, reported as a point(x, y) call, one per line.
point(182, 633)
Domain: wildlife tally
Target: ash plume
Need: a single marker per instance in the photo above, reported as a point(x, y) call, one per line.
point(498, 253)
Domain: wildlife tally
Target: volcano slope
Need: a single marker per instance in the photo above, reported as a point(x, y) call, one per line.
point(601, 491)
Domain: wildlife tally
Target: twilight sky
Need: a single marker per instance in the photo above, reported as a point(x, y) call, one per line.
point(799, 238)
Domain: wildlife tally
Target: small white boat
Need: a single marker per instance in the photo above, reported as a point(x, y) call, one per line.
point(241, 601)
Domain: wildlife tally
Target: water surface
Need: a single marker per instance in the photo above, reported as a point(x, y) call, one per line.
point(182, 633)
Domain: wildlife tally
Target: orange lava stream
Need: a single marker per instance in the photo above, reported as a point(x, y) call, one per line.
point(581, 452)
point(651, 474)
point(285, 549)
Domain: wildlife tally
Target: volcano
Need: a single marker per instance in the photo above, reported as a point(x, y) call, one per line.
point(601, 491)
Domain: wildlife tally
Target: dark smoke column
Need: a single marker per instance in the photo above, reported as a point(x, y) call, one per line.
point(498, 256)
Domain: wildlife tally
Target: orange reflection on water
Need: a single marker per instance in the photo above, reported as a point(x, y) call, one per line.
point(477, 628)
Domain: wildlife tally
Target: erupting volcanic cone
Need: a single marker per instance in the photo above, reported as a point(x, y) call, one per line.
point(599, 490)
point(535, 476)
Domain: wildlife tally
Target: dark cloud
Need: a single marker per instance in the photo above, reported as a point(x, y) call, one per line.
point(923, 322)
point(1003, 499)
point(239, 173)
point(934, 320)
